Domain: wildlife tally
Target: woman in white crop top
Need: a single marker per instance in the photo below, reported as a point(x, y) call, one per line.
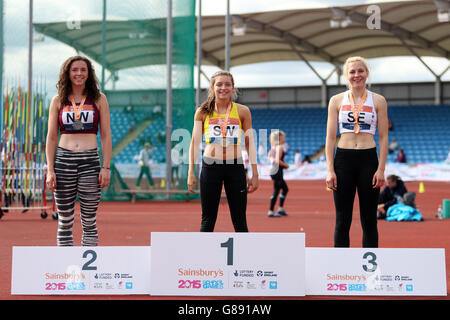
point(355, 165)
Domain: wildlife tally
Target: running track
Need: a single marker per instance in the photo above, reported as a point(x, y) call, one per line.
point(309, 204)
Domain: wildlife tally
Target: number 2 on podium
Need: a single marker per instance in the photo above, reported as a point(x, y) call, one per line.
point(229, 245)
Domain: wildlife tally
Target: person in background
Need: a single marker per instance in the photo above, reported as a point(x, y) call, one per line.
point(355, 165)
point(276, 157)
point(297, 157)
point(393, 193)
point(73, 161)
point(144, 165)
point(393, 145)
point(401, 156)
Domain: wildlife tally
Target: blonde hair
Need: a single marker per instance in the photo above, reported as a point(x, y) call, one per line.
point(275, 137)
point(208, 105)
point(355, 59)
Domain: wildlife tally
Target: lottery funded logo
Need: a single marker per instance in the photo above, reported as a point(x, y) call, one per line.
point(111, 281)
point(255, 279)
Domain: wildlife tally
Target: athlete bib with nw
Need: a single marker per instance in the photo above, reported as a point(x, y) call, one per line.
point(77, 118)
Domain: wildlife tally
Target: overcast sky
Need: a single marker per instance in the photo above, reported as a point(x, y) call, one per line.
point(49, 54)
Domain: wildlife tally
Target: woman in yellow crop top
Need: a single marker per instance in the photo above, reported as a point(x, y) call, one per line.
point(355, 165)
point(224, 123)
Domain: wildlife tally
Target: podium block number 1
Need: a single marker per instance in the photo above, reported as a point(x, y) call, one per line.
point(229, 245)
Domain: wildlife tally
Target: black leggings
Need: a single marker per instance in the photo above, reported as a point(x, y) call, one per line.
point(231, 174)
point(278, 185)
point(354, 171)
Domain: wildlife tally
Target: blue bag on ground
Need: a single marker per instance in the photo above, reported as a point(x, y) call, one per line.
point(403, 212)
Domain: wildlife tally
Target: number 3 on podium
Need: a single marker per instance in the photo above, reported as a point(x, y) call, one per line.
point(229, 245)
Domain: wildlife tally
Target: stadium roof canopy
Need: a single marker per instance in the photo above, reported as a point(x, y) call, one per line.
point(405, 28)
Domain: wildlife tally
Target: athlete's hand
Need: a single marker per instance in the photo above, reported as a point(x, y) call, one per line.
point(331, 181)
point(104, 177)
point(51, 180)
point(378, 179)
point(192, 182)
point(253, 184)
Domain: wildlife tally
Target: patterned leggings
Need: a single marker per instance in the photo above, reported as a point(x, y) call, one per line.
point(77, 173)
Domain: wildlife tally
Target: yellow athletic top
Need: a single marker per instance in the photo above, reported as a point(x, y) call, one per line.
point(213, 132)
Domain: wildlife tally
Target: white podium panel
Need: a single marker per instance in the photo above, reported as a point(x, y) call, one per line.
point(80, 270)
point(227, 264)
point(375, 271)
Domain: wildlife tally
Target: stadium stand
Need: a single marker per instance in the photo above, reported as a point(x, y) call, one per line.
point(422, 131)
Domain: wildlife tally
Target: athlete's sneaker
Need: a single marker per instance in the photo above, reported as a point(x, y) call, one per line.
point(282, 212)
point(273, 214)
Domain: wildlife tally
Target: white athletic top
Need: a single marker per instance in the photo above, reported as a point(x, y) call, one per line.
point(367, 117)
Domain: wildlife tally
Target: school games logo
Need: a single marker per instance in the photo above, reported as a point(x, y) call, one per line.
point(64, 281)
point(200, 278)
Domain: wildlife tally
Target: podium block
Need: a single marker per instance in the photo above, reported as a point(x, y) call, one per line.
point(80, 270)
point(375, 272)
point(227, 264)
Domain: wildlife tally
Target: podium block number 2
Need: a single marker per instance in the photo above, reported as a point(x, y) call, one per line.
point(87, 265)
point(229, 245)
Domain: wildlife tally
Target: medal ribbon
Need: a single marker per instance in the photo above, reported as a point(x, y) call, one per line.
point(357, 111)
point(224, 122)
point(77, 109)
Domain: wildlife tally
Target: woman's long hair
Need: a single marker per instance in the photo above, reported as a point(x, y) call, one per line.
point(208, 105)
point(64, 85)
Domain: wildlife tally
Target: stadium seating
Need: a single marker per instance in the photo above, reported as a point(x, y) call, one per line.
point(422, 131)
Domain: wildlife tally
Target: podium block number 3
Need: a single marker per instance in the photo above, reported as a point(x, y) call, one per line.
point(229, 245)
point(87, 265)
point(371, 265)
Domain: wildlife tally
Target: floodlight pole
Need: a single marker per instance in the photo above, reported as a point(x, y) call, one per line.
point(103, 45)
point(30, 51)
point(169, 40)
point(227, 38)
point(199, 53)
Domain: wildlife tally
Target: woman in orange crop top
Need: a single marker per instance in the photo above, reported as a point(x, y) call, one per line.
point(355, 165)
point(223, 121)
point(73, 162)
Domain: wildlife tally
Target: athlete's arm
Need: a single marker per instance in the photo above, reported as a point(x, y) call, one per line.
point(246, 121)
point(331, 141)
point(52, 141)
point(193, 148)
